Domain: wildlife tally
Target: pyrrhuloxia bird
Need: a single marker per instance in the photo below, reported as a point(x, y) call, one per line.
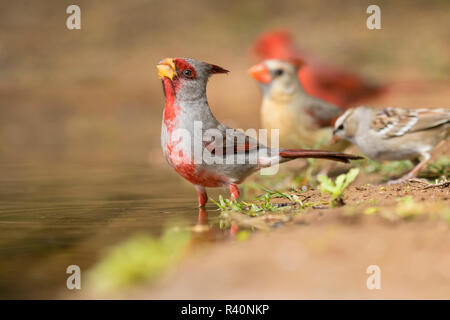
point(303, 120)
point(333, 85)
point(184, 84)
point(394, 133)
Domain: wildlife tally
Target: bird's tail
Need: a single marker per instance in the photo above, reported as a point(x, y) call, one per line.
point(318, 154)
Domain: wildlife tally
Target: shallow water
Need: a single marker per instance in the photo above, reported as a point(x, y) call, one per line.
point(65, 200)
point(50, 220)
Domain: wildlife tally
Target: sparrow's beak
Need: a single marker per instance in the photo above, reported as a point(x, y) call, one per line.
point(260, 73)
point(166, 68)
point(335, 139)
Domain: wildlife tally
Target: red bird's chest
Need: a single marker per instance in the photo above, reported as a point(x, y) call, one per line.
point(178, 147)
point(196, 175)
point(184, 165)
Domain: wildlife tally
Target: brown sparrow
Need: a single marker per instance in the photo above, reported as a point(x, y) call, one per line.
point(395, 133)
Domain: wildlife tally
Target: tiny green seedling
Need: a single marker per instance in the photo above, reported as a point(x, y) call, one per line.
point(388, 169)
point(250, 209)
point(407, 208)
point(335, 189)
point(263, 203)
point(439, 168)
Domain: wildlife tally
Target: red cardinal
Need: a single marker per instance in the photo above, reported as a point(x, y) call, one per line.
point(333, 85)
point(214, 155)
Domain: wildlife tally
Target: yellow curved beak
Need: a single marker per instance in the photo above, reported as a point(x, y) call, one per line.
point(166, 68)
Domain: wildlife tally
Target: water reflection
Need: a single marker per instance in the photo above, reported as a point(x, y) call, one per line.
point(202, 217)
point(56, 214)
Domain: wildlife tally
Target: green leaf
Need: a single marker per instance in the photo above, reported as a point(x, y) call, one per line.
point(222, 203)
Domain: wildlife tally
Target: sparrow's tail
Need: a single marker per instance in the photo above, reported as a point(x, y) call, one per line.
point(318, 154)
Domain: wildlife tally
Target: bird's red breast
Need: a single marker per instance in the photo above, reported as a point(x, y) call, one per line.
point(171, 110)
point(200, 177)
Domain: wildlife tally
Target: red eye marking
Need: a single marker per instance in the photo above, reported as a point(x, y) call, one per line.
point(185, 69)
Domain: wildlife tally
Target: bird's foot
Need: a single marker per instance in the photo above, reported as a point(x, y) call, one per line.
point(413, 173)
point(396, 181)
point(202, 196)
point(405, 178)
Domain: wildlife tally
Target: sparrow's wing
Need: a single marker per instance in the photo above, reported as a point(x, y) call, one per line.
point(396, 122)
point(230, 141)
point(430, 118)
point(324, 113)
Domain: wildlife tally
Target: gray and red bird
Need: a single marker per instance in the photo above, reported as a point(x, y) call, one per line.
point(184, 83)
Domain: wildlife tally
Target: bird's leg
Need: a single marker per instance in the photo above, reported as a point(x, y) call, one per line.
point(202, 196)
point(418, 166)
point(415, 161)
point(234, 190)
point(413, 173)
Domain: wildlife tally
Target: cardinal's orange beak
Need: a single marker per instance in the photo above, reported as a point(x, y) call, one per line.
point(335, 139)
point(166, 68)
point(260, 73)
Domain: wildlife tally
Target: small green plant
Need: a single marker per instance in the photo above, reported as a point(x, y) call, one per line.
point(291, 197)
point(262, 204)
point(446, 215)
point(307, 176)
point(227, 204)
point(243, 235)
point(335, 189)
point(276, 193)
point(439, 168)
point(250, 209)
point(371, 211)
point(407, 208)
point(138, 260)
point(388, 169)
point(370, 166)
point(265, 204)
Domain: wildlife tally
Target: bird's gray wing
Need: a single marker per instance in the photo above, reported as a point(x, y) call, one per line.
point(231, 141)
point(323, 112)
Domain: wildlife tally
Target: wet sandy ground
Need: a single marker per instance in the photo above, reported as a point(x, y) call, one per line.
point(324, 254)
point(325, 260)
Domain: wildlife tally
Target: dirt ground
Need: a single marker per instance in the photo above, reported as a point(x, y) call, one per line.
point(321, 252)
point(326, 260)
point(324, 254)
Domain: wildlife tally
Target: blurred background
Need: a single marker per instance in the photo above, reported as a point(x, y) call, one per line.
point(80, 162)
